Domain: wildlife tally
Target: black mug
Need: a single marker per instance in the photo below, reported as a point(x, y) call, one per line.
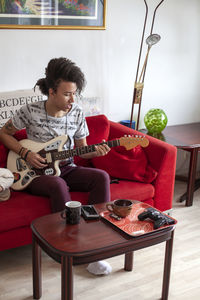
point(72, 212)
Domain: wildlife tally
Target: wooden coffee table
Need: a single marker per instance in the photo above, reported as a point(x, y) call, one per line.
point(87, 242)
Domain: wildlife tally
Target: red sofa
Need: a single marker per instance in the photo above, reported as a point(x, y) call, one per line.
point(145, 174)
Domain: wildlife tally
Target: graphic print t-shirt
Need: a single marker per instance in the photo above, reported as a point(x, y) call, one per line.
point(41, 128)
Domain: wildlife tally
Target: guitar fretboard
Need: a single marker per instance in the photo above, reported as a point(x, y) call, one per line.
point(81, 150)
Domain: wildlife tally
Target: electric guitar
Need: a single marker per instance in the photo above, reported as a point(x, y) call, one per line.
point(54, 153)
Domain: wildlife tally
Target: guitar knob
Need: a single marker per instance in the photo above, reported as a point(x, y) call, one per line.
point(31, 173)
point(25, 179)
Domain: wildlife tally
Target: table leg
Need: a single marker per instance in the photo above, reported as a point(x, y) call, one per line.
point(128, 262)
point(66, 278)
point(36, 267)
point(191, 178)
point(167, 267)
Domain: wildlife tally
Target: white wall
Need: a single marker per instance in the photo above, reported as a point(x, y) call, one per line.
point(109, 58)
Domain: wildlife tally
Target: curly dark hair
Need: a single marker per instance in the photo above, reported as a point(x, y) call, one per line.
point(61, 69)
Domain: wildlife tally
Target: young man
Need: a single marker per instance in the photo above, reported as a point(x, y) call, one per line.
point(45, 120)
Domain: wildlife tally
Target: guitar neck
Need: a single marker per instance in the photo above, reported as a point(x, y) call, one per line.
point(81, 150)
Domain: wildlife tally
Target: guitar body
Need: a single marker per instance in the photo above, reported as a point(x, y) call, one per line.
point(23, 173)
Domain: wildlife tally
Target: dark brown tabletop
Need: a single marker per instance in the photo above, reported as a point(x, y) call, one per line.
point(87, 238)
point(183, 135)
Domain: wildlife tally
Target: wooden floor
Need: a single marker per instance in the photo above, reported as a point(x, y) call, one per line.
point(144, 282)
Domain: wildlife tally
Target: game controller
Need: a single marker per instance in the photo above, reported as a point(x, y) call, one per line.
point(156, 216)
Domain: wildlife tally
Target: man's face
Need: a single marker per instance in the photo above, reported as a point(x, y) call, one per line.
point(64, 96)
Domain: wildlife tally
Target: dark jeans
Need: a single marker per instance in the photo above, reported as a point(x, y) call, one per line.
point(80, 179)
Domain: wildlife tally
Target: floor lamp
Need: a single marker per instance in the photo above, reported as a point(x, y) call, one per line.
point(151, 40)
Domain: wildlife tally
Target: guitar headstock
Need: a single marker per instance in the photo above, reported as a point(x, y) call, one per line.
point(129, 142)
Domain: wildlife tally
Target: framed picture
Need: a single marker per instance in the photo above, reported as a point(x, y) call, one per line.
point(52, 14)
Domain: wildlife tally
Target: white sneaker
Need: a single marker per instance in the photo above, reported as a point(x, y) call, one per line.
point(99, 268)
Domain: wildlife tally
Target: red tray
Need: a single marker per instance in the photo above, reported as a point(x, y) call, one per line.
point(131, 225)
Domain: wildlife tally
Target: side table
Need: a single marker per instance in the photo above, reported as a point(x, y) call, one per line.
point(185, 137)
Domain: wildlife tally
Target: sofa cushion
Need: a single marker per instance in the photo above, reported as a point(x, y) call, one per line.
point(21, 209)
point(131, 164)
point(126, 189)
point(99, 128)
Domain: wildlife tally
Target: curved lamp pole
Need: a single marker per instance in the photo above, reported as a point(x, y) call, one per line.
point(151, 40)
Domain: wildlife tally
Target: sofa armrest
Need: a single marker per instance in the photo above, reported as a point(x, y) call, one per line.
point(162, 157)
